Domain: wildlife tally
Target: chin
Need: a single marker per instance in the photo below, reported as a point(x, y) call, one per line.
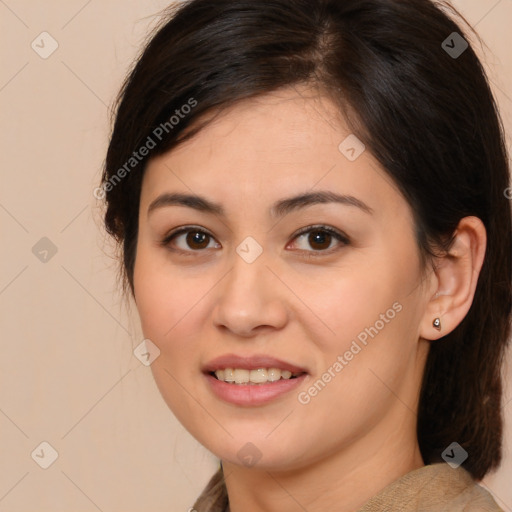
point(255, 451)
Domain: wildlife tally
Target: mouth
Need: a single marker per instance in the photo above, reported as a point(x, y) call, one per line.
point(252, 380)
point(258, 376)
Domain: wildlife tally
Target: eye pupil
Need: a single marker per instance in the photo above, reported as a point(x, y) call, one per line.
point(198, 238)
point(319, 237)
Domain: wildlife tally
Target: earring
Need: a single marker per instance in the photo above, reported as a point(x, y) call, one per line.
point(437, 324)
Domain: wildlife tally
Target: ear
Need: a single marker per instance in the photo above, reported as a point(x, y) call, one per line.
point(454, 279)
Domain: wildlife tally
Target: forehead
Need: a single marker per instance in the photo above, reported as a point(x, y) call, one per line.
point(290, 123)
point(267, 148)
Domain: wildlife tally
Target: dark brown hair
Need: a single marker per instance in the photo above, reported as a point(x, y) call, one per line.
point(427, 115)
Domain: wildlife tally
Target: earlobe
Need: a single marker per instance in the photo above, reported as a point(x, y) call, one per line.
point(455, 277)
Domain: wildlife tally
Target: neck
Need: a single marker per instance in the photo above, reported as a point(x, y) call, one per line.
point(343, 481)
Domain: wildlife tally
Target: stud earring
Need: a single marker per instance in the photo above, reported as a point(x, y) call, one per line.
point(437, 324)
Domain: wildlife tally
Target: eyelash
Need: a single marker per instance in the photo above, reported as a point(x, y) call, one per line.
point(340, 237)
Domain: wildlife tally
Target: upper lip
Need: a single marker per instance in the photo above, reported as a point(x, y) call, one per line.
point(250, 363)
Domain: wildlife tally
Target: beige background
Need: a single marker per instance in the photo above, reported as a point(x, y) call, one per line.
point(67, 373)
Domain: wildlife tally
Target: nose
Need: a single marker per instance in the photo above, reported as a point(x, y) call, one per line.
point(251, 299)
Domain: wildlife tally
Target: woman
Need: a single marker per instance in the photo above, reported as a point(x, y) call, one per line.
point(309, 197)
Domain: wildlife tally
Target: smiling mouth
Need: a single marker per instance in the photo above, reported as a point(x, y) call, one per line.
point(257, 376)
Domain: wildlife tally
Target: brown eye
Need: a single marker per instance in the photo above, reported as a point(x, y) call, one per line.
point(318, 240)
point(189, 240)
point(197, 240)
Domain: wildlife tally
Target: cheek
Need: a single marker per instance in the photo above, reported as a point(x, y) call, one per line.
point(171, 306)
point(154, 299)
point(162, 297)
point(373, 308)
point(165, 304)
point(351, 298)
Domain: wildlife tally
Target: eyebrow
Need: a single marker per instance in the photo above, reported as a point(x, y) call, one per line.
point(279, 208)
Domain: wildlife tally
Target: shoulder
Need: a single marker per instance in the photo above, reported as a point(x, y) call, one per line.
point(433, 488)
point(474, 499)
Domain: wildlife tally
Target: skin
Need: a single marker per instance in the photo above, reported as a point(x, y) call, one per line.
point(359, 433)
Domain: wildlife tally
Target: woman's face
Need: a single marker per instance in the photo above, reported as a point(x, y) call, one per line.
point(340, 304)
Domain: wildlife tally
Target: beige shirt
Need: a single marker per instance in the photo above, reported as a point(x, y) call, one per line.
point(433, 488)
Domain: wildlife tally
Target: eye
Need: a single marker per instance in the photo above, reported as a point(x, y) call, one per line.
point(193, 240)
point(190, 238)
point(321, 239)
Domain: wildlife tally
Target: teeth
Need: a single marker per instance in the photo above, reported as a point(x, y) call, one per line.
point(273, 374)
point(258, 376)
point(241, 376)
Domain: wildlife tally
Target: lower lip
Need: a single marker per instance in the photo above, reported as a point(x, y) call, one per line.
point(253, 394)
